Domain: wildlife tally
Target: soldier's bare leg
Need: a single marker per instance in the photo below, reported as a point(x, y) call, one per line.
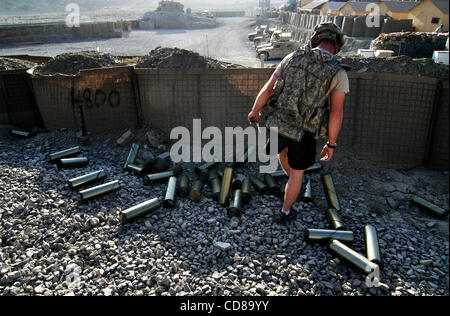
point(283, 158)
point(293, 187)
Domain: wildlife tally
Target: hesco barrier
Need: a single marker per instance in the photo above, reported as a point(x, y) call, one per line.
point(387, 119)
point(17, 104)
point(397, 121)
point(100, 99)
point(221, 98)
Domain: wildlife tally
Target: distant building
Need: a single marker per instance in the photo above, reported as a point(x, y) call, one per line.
point(356, 8)
point(334, 7)
point(315, 7)
point(170, 6)
point(428, 15)
point(397, 9)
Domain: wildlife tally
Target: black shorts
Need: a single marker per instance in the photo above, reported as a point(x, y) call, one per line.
point(301, 155)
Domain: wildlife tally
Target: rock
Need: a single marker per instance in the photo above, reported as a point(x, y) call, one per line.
point(39, 289)
point(156, 137)
point(224, 246)
point(392, 203)
point(426, 263)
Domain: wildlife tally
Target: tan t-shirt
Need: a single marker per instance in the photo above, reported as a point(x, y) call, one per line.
point(339, 83)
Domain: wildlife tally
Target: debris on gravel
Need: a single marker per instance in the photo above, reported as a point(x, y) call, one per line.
point(52, 244)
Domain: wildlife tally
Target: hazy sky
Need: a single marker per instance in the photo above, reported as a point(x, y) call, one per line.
point(87, 5)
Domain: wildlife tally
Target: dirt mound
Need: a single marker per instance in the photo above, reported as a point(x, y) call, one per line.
point(13, 63)
point(177, 20)
point(422, 67)
point(72, 63)
point(180, 58)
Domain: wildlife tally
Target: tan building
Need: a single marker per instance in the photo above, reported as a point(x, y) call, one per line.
point(428, 15)
point(334, 7)
point(315, 7)
point(356, 8)
point(397, 9)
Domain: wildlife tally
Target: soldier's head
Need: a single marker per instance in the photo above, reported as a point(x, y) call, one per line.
point(330, 34)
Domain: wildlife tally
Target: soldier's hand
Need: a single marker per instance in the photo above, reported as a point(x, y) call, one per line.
point(327, 153)
point(254, 117)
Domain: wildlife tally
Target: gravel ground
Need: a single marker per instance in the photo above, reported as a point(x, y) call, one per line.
point(52, 244)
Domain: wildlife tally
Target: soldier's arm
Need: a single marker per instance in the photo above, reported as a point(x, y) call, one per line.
point(334, 124)
point(263, 96)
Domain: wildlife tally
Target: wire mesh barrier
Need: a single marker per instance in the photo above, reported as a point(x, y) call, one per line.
point(17, 104)
point(397, 121)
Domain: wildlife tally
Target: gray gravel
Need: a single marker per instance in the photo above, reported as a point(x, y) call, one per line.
point(52, 244)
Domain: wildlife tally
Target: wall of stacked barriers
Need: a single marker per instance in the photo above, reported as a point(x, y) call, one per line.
point(397, 121)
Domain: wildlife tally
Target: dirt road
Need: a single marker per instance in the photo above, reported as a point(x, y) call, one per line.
point(227, 42)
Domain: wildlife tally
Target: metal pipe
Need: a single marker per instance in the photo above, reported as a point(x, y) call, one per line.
point(76, 162)
point(271, 183)
point(139, 210)
point(132, 155)
point(335, 220)
point(246, 191)
point(65, 154)
point(196, 192)
point(81, 181)
point(246, 155)
point(328, 234)
point(307, 195)
point(183, 186)
point(169, 200)
point(236, 204)
point(226, 185)
point(260, 186)
point(358, 260)
point(330, 192)
point(97, 191)
point(162, 176)
point(430, 207)
point(215, 188)
point(372, 245)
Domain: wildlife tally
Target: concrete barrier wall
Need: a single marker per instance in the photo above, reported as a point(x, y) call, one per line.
point(388, 118)
point(52, 32)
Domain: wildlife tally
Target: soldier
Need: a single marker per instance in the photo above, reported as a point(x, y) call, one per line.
point(304, 99)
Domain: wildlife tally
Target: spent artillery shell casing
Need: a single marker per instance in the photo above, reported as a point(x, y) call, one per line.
point(169, 200)
point(90, 178)
point(335, 220)
point(132, 155)
point(100, 190)
point(226, 186)
point(372, 245)
point(162, 164)
point(162, 176)
point(196, 192)
point(430, 207)
point(140, 170)
point(315, 167)
point(330, 192)
point(356, 259)
point(212, 174)
point(20, 134)
point(183, 186)
point(139, 210)
point(236, 204)
point(246, 191)
point(260, 186)
point(307, 195)
point(278, 174)
point(65, 154)
point(76, 162)
point(244, 158)
point(325, 235)
point(215, 188)
point(272, 184)
point(236, 184)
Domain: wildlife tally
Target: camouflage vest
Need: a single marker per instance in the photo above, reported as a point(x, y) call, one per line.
point(302, 104)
